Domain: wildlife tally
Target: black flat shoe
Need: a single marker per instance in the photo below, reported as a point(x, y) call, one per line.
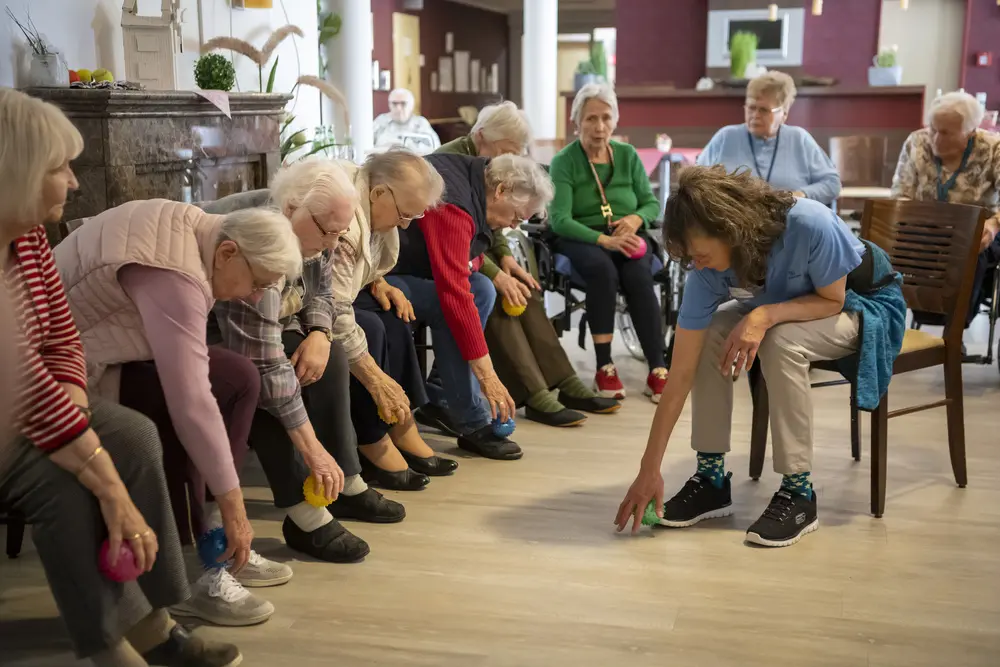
point(332, 542)
point(596, 405)
point(560, 419)
point(402, 480)
point(183, 649)
point(434, 466)
point(435, 417)
point(369, 506)
point(484, 443)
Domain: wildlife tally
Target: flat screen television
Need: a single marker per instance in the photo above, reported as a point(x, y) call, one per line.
point(779, 42)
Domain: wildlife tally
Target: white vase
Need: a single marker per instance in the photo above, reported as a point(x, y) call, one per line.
point(885, 76)
point(48, 71)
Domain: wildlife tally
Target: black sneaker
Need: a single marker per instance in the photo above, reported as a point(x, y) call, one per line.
point(369, 506)
point(488, 445)
point(698, 500)
point(596, 404)
point(560, 418)
point(785, 520)
point(332, 542)
point(436, 417)
point(183, 649)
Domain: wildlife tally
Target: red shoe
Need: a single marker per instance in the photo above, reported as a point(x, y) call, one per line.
point(607, 384)
point(655, 383)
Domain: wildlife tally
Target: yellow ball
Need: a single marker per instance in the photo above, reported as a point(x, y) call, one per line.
point(313, 498)
point(511, 309)
point(85, 75)
point(387, 420)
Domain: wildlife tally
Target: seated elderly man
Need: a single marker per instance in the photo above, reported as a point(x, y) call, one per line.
point(952, 160)
point(400, 127)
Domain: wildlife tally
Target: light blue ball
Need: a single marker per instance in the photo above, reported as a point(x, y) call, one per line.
point(503, 429)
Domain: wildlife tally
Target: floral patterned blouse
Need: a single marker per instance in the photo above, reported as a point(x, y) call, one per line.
point(979, 184)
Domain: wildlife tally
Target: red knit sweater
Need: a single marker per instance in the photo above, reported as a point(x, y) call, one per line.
point(49, 350)
point(448, 232)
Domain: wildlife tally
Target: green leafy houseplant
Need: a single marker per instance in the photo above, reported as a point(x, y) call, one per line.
point(886, 57)
point(598, 58)
point(214, 72)
point(742, 52)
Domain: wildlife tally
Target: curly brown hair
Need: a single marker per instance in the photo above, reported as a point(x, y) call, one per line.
point(744, 212)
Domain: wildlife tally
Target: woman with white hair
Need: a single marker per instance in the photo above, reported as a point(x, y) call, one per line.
point(786, 156)
point(953, 160)
point(400, 127)
point(80, 468)
point(602, 207)
point(436, 269)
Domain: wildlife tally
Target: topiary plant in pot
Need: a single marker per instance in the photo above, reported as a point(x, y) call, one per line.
point(884, 70)
point(214, 72)
point(742, 53)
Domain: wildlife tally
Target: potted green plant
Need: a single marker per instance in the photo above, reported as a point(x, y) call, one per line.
point(594, 68)
point(742, 54)
point(885, 70)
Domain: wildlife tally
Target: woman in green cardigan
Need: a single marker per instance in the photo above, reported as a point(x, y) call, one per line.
point(602, 208)
point(531, 363)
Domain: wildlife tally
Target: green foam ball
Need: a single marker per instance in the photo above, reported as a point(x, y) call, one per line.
point(649, 517)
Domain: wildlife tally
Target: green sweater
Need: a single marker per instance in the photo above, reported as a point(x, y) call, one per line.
point(499, 249)
point(575, 212)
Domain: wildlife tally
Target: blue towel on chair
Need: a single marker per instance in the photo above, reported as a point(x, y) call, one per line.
point(882, 319)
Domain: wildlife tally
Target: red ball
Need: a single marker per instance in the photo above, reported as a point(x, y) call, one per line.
point(641, 252)
point(125, 569)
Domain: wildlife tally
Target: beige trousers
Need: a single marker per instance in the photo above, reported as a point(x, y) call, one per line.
point(784, 356)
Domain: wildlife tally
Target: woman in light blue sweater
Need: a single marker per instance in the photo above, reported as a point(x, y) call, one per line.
point(785, 156)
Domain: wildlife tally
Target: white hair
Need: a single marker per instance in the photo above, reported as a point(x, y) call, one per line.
point(524, 180)
point(266, 239)
point(504, 122)
point(406, 95)
point(400, 168)
point(964, 104)
point(601, 91)
point(35, 138)
point(314, 184)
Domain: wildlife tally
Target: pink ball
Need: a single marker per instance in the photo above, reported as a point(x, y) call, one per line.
point(126, 568)
point(641, 251)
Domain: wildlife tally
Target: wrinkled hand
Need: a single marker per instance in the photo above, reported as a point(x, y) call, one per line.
point(648, 485)
point(512, 268)
point(311, 357)
point(630, 224)
point(124, 521)
point(499, 399)
point(513, 290)
point(393, 404)
point(799, 194)
point(326, 474)
point(626, 245)
point(235, 523)
point(743, 342)
point(989, 233)
point(388, 297)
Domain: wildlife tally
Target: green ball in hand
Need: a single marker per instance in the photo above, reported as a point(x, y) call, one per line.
point(649, 517)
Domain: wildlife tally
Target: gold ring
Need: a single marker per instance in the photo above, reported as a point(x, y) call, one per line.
point(135, 536)
point(146, 532)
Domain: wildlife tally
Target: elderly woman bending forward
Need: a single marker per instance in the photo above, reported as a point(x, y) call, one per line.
point(79, 468)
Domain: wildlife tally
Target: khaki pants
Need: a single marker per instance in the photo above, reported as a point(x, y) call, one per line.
point(785, 355)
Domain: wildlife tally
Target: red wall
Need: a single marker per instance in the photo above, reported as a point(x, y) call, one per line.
point(480, 32)
point(982, 33)
point(663, 41)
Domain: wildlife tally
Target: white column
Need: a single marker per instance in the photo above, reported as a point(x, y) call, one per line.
point(349, 68)
point(538, 66)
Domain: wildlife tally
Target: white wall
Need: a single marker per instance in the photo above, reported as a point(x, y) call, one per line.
point(929, 35)
point(89, 34)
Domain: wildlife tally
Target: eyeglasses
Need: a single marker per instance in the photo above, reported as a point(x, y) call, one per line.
point(761, 111)
point(402, 218)
point(258, 287)
point(323, 232)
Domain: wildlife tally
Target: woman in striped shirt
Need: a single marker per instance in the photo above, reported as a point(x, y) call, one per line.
point(74, 466)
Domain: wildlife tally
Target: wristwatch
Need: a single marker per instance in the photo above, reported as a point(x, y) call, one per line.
point(323, 330)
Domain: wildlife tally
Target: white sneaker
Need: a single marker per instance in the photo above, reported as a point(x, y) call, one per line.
point(218, 598)
point(260, 572)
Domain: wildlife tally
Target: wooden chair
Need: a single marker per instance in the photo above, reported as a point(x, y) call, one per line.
point(861, 162)
point(934, 246)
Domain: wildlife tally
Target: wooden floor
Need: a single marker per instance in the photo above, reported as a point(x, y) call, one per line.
point(516, 564)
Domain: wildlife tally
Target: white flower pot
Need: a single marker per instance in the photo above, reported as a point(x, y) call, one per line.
point(885, 76)
point(48, 71)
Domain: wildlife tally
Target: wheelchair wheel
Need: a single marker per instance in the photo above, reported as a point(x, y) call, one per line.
point(623, 322)
point(522, 248)
point(671, 294)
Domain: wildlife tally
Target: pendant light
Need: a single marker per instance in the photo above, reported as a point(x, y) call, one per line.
point(904, 4)
point(772, 12)
point(818, 7)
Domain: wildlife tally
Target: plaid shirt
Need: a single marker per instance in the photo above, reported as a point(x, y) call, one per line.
point(254, 330)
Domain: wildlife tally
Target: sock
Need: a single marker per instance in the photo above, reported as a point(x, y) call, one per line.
point(574, 387)
point(353, 485)
point(307, 517)
point(151, 631)
point(798, 483)
point(712, 467)
point(213, 516)
point(122, 654)
point(603, 351)
point(545, 401)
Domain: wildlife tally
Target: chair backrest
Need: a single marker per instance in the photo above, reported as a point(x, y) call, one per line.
point(860, 160)
point(934, 246)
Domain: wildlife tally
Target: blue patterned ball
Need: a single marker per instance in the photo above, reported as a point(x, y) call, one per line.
point(503, 429)
point(211, 545)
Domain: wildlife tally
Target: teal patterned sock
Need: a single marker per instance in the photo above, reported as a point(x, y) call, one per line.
point(798, 483)
point(712, 467)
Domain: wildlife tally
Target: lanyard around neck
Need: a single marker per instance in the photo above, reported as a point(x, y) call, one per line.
point(944, 188)
point(605, 206)
point(777, 138)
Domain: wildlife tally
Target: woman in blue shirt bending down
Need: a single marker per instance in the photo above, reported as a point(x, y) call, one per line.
point(785, 156)
point(769, 279)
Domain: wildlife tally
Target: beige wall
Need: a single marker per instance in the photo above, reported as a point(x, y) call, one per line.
point(570, 55)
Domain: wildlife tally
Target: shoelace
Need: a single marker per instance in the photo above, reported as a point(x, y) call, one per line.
point(255, 559)
point(224, 585)
point(779, 508)
point(692, 488)
point(609, 370)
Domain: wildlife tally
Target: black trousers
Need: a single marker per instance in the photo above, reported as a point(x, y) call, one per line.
point(605, 273)
point(328, 404)
point(390, 342)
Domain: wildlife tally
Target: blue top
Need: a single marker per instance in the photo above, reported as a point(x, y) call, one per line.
point(815, 250)
point(800, 163)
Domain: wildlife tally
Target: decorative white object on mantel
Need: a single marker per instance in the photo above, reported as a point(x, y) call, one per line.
point(151, 44)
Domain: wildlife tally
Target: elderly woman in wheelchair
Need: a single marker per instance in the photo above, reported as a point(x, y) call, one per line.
point(600, 214)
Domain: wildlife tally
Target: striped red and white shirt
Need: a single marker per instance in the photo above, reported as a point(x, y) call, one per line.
point(49, 347)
